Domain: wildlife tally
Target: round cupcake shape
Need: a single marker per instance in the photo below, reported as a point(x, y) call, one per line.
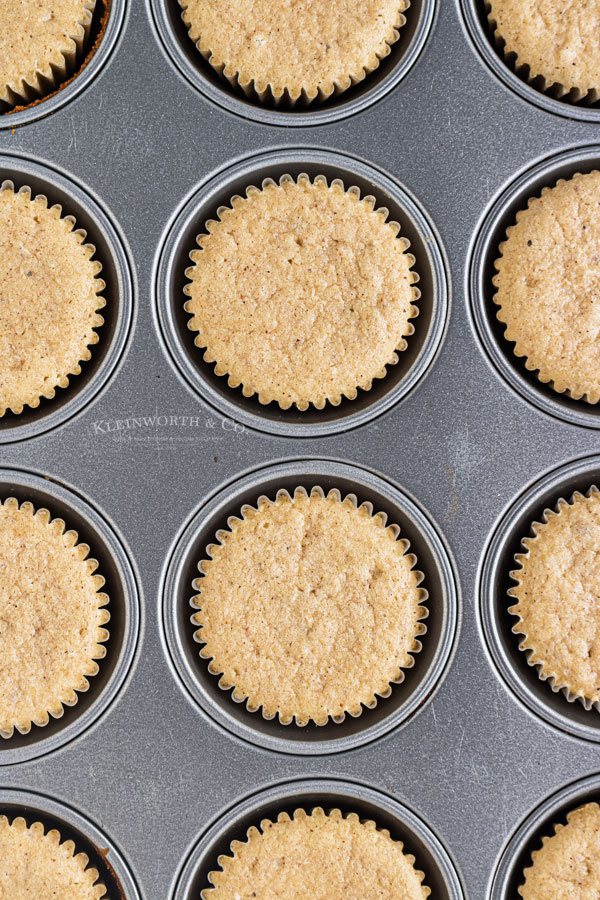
point(546, 286)
point(301, 292)
point(52, 617)
point(337, 855)
point(51, 294)
point(275, 51)
point(40, 46)
point(37, 864)
point(309, 607)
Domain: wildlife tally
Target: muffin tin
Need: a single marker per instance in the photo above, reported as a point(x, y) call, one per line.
point(148, 452)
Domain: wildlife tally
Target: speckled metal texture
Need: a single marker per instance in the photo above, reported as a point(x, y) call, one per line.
point(471, 449)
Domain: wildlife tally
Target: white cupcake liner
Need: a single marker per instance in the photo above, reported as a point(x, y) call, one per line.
point(71, 698)
point(542, 668)
point(381, 211)
point(63, 381)
point(39, 83)
point(239, 696)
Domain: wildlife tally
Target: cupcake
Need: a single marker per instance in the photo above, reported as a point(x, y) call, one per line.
point(568, 865)
point(309, 607)
point(305, 51)
point(50, 296)
point(40, 44)
point(35, 865)
point(51, 617)
point(338, 856)
point(301, 293)
point(547, 286)
point(559, 42)
point(557, 590)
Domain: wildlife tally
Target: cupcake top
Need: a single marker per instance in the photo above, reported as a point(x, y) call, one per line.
point(568, 865)
point(339, 857)
point(49, 289)
point(37, 866)
point(50, 617)
point(547, 286)
point(34, 38)
point(312, 48)
point(559, 41)
point(557, 590)
point(302, 293)
point(309, 607)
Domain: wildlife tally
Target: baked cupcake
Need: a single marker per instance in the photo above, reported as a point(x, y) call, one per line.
point(559, 42)
point(274, 50)
point(547, 286)
point(338, 856)
point(50, 293)
point(557, 589)
point(35, 865)
point(301, 292)
point(309, 607)
point(39, 46)
point(568, 865)
point(51, 617)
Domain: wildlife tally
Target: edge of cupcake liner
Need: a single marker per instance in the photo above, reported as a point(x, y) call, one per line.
point(71, 536)
point(543, 671)
point(53, 836)
point(80, 235)
point(554, 89)
point(422, 611)
point(300, 812)
point(265, 93)
point(538, 366)
point(558, 827)
point(381, 211)
point(38, 83)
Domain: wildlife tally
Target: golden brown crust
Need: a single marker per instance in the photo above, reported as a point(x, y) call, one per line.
point(547, 286)
point(567, 867)
point(37, 866)
point(313, 48)
point(557, 590)
point(50, 296)
point(51, 617)
point(301, 293)
point(339, 857)
point(309, 608)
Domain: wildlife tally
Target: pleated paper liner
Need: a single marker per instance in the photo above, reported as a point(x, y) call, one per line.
point(353, 708)
point(265, 397)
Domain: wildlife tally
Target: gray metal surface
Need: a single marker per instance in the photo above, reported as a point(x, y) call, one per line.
point(154, 772)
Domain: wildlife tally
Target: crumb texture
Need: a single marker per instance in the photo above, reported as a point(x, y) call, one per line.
point(51, 613)
point(558, 591)
point(301, 293)
point(340, 858)
point(37, 866)
point(310, 46)
point(568, 865)
point(560, 41)
point(309, 607)
point(548, 286)
point(48, 300)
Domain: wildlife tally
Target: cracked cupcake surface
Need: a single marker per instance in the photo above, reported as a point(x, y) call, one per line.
point(308, 608)
point(559, 41)
point(51, 617)
point(338, 857)
point(548, 286)
point(557, 591)
point(49, 297)
point(301, 293)
point(311, 48)
point(37, 866)
point(567, 867)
